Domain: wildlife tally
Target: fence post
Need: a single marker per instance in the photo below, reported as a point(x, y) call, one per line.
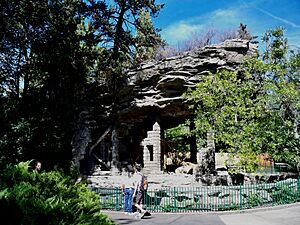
point(298, 188)
point(174, 199)
point(117, 199)
point(241, 196)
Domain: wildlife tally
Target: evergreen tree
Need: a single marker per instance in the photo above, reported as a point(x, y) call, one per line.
point(52, 55)
point(148, 40)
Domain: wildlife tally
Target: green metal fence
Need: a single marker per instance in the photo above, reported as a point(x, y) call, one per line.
point(208, 198)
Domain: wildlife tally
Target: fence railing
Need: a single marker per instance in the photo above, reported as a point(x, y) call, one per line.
point(208, 198)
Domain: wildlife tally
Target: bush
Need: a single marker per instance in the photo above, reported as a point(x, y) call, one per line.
point(283, 194)
point(27, 197)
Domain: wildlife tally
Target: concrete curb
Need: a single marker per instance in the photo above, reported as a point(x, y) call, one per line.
point(252, 210)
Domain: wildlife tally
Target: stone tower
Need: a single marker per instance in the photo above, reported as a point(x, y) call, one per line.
point(152, 151)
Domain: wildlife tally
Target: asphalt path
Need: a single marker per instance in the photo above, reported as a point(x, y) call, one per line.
point(276, 215)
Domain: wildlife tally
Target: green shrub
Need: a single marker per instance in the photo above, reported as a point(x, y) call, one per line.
point(27, 197)
point(254, 200)
point(283, 194)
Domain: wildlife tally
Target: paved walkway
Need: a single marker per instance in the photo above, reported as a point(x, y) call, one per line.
point(277, 215)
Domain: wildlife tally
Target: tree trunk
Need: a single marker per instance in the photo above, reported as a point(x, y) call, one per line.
point(115, 150)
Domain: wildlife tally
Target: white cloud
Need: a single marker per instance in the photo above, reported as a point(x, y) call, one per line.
point(230, 15)
point(219, 19)
point(222, 19)
point(181, 31)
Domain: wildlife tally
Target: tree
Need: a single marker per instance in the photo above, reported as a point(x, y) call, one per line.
point(148, 40)
point(54, 53)
point(127, 23)
point(225, 103)
point(43, 76)
point(282, 82)
point(255, 109)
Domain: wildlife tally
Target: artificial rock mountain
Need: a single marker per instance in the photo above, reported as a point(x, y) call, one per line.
point(153, 94)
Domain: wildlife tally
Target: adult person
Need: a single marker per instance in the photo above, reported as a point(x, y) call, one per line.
point(138, 195)
point(37, 166)
point(128, 190)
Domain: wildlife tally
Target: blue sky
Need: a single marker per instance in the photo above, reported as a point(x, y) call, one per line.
point(181, 18)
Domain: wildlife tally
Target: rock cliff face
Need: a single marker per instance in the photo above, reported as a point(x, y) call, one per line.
point(153, 94)
point(157, 87)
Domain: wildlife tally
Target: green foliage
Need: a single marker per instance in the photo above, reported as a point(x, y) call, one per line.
point(176, 132)
point(284, 194)
point(148, 40)
point(178, 138)
point(224, 103)
point(167, 208)
point(46, 198)
point(53, 58)
point(254, 200)
point(254, 109)
point(282, 88)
